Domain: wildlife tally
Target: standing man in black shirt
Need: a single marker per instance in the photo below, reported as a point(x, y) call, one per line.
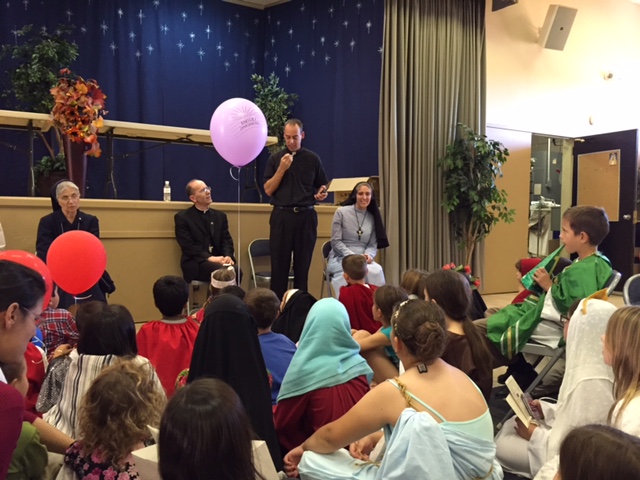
point(203, 235)
point(294, 179)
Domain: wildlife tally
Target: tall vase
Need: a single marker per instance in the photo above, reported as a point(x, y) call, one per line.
point(76, 162)
point(44, 184)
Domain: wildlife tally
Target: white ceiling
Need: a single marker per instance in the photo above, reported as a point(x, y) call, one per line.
point(259, 4)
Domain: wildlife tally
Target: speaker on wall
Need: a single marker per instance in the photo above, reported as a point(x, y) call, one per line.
point(500, 4)
point(556, 28)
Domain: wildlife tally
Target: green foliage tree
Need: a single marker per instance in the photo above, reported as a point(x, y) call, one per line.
point(275, 103)
point(474, 202)
point(33, 69)
point(35, 66)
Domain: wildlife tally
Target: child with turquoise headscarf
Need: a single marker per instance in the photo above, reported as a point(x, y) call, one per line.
point(325, 378)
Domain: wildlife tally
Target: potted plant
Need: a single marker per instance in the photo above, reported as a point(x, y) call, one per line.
point(275, 103)
point(48, 171)
point(42, 82)
point(470, 167)
point(35, 65)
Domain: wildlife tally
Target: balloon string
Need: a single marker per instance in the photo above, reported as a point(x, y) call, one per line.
point(239, 256)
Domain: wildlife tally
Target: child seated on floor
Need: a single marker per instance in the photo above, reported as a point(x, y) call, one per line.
point(57, 325)
point(168, 343)
point(583, 229)
point(294, 308)
point(206, 433)
point(597, 452)
point(621, 352)
point(376, 347)
point(412, 282)
point(29, 458)
point(357, 296)
point(113, 421)
point(277, 349)
point(220, 279)
point(466, 348)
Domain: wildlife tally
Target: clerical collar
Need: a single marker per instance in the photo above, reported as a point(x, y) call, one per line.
point(204, 212)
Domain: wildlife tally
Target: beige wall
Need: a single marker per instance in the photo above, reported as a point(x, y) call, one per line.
point(559, 93)
point(533, 89)
point(140, 241)
point(508, 242)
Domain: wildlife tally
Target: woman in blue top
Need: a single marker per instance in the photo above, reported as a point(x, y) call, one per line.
point(445, 400)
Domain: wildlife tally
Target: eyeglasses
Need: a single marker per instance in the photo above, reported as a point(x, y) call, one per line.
point(27, 311)
point(206, 189)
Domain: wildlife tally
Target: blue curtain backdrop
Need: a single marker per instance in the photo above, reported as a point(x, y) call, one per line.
point(172, 63)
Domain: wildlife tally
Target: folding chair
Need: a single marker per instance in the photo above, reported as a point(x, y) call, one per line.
point(326, 276)
point(631, 290)
point(613, 281)
point(260, 261)
point(534, 348)
point(193, 304)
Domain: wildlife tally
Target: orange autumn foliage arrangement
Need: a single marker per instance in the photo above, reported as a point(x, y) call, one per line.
point(78, 109)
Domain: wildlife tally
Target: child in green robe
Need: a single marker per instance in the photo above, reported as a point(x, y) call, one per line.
point(539, 318)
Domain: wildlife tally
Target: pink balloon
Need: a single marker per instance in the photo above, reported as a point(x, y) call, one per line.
point(29, 260)
point(238, 131)
point(77, 260)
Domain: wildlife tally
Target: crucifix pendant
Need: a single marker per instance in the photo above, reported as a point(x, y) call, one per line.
point(359, 232)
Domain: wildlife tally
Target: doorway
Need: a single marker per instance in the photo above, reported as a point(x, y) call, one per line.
point(606, 174)
point(545, 194)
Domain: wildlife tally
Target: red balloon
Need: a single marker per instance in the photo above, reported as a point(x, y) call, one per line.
point(77, 260)
point(29, 260)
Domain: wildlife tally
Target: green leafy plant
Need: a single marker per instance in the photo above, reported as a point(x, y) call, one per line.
point(474, 202)
point(48, 165)
point(275, 103)
point(35, 63)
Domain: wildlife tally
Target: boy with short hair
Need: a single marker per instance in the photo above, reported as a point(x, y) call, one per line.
point(357, 296)
point(277, 349)
point(168, 343)
point(57, 325)
point(538, 318)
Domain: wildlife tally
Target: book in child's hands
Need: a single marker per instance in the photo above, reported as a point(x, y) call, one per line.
point(519, 403)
